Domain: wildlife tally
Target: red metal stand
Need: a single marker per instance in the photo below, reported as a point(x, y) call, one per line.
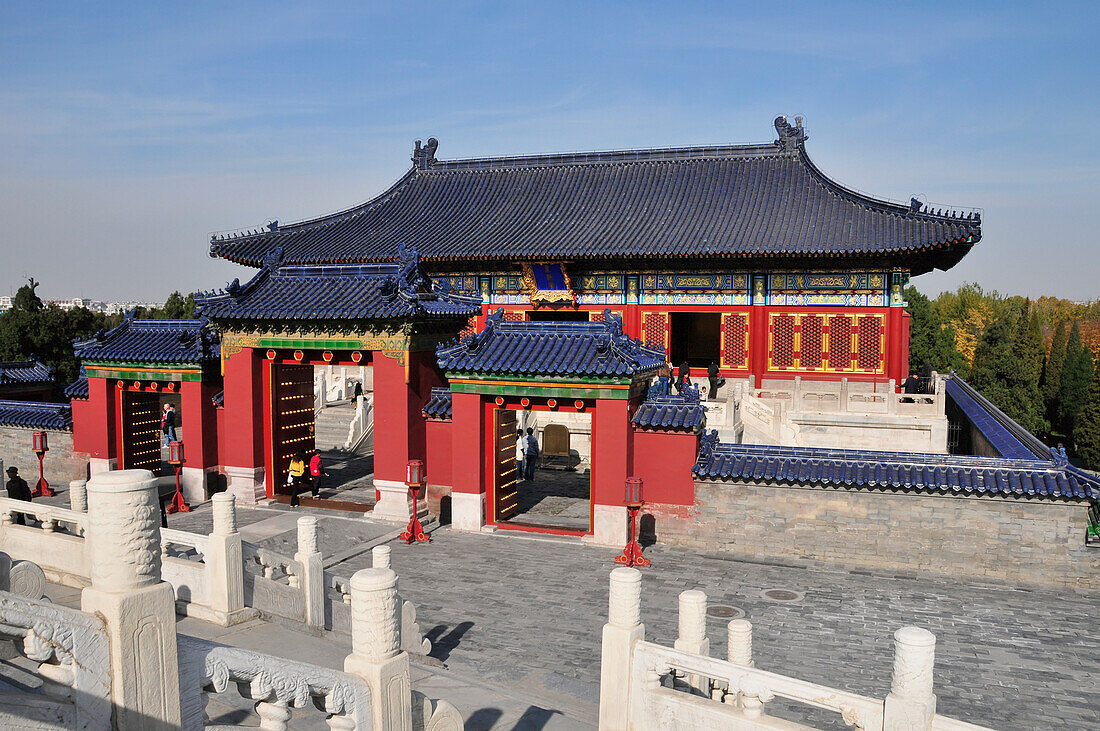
point(632, 553)
point(178, 504)
point(415, 531)
point(42, 489)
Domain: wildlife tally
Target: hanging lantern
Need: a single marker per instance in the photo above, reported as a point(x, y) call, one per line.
point(40, 442)
point(175, 453)
point(633, 491)
point(414, 473)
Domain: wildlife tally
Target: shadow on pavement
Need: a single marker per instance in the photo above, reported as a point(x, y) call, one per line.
point(442, 644)
point(483, 718)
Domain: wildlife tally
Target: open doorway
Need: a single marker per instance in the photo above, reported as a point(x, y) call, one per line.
point(695, 337)
point(551, 487)
point(144, 444)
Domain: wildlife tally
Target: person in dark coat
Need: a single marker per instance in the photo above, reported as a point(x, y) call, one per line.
point(683, 373)
point(18, 489)
point(716, 381)
point(169, 423)
point(530, 455)
point(911, 386)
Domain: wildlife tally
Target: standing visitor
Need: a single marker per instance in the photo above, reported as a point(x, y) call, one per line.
point(18, 489)
point(683, 376)
point(531, 455)
point(316, 472)
point(521, 467)
point(715, 381)
point(664, 374)
point(296, 475)
point(168, 424)
point(910, 386)
point(358, 391)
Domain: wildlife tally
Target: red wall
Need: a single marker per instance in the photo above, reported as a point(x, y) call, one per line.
point(198, 408)
point(468, 434)
point(612, 450)
point(94, 420)
point(242, 438)
point(438, 441)
point(664, 460)
point(399, 424)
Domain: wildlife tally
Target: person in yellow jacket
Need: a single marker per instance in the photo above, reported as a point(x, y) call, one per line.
point(297, 476)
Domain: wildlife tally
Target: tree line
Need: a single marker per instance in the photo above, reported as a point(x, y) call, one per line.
point(1034, 359)
point(34, 329)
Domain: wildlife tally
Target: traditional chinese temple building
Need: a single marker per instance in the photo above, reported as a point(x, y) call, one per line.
point(26, 380)
point(748, 255)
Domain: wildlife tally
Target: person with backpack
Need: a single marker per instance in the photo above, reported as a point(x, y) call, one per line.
point(316, 472)
point(168, 423)
point(296, 476)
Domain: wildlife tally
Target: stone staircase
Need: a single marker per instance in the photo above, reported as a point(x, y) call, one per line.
point(331, 429)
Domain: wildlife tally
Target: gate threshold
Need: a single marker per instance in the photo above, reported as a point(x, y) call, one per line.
point(326, 504)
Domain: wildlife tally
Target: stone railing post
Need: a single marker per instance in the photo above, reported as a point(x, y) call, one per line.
point(693, 631)
point(796, 397)
point(313, 571)
point(911, 703)
point(892, 397)
point(624, 629)
point(376, 654)
point(844, 394)
point(78, 496)
point(224, 563)
point(739, 642)
point(380, 556)
point(137, 607)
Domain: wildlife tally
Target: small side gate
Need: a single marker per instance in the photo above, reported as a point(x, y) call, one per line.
point(140, 431)
point(505, 473)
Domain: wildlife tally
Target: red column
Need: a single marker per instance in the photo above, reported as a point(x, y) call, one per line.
point(241, 443)
point(897, 351)
point(758, 343)
point(468, 433)
point(200, 424)
point(612, 451)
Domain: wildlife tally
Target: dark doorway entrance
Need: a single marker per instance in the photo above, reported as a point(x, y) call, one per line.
point(141, 435)
point(695, 337)
point(558, 315)
point(292, 419)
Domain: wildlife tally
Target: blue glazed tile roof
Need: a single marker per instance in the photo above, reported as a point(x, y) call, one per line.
point(152, 341)
point(24, 372)
point(675, 413)
point(1006, 436)
point(78, 389)
point(353, 292)
point(747, 201)
point(550, 349)
point(218, 399)
point(36, 415)
point(952, 474)
point(439, 404)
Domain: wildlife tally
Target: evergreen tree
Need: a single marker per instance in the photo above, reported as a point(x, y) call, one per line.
point(1052, 370)
point(1000, 374)
point(930, 340)
point(1086, 432)
point(1074, 383)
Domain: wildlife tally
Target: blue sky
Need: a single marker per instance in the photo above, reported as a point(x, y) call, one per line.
point(131, 131)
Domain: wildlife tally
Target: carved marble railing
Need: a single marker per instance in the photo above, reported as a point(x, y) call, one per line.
point(849, 397)
point(361, 429)
point(52, 538)
point(73, 653)
point(277, 685)
point(273, 583)
point(645, 685)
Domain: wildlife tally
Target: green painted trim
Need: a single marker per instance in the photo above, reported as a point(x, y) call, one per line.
point(314, 343)
point(117, 365)
point(589, 381)
point(121, 374)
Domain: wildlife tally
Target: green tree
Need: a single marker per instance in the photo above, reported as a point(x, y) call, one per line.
point(1086, 432)
point(930, 340)
point(1077, 372)
point(1052, 370)
point(1000, 374)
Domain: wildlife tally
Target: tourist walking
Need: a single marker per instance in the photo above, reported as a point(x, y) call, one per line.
point(316, 472)
point(296, 475)
point(18, 489)
point(716, 381)
point(521, 447)
point(168, 423)
point(530, 455)
point(683, 376)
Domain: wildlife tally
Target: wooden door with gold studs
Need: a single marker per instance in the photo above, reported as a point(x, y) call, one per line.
point(505, 470)
point(292, 416)
point(141, 435)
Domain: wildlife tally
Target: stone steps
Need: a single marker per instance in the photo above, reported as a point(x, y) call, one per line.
point(331, 426)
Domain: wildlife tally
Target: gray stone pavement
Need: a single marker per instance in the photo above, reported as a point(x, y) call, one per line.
point(523, 614)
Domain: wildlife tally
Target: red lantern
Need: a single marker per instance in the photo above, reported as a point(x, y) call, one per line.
point(175, 453)
point(632, 553)
point(634, 491)
point(413, 473)
point(40, 442)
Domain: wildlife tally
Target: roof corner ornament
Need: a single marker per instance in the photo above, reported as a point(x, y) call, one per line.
point(790, 138)
point(614, 321)
point(424, 157)
point(915, 205)
point(273, 225)
point(708, 440)
point(233, 288)
point(273, 258)
point(413, 277)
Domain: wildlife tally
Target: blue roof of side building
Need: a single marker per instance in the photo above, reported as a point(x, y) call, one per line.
point(1007, 437)
point(36, 415)
point(152, 341)
point(952, 474)
point(78, 389)
point(21, 372)
point(673, 413)
point(551, 349)
point(439, 404)
point(736, 201)
point(355, 292)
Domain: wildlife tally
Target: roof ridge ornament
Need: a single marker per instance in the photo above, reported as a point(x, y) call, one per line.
point(423, 158)
point(790, 138)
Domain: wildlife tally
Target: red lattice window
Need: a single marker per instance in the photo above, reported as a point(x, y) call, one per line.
point(869, 354)
point(595, 316)
point(654, 329)
point(783, 341)
point(470, 329)
point(515, 315)
point(809, 346)
point(734, 352)
point(840, 343)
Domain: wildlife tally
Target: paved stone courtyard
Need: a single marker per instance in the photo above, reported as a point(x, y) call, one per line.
point(525, 613)
point(557, 498)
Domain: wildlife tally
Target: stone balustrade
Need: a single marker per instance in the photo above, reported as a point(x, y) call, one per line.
point(649, 686)
point(851, 397)
point(119, 663)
